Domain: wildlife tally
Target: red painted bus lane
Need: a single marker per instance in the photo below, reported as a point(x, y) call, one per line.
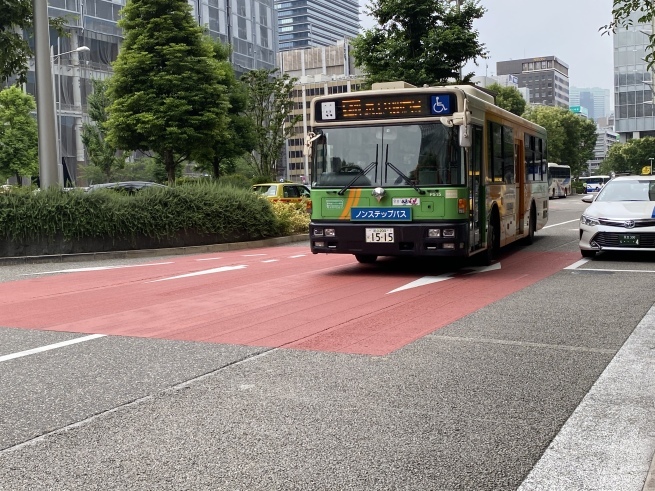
point(323, 303)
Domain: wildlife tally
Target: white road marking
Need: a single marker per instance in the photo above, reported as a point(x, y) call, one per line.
point(428, 280)
point(253, 255)
point(270, 260)
point(208, 258)
point(200, 273)
point(97, 268)
point(561, 223)
point(620, 270)
point(577, 264)
point(50, 347)
point(299, 255)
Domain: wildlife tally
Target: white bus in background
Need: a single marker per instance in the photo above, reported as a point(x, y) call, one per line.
point(559, 180)
point(593, 184)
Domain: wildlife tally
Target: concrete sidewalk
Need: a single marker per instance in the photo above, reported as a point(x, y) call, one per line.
point(608, 442)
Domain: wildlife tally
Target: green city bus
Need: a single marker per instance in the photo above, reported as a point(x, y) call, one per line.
point(432, 171)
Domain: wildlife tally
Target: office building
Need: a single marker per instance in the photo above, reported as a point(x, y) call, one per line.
point(320, 71)
point(595, 100)
point(604, 140)
point(309, 23)
point(634, 115)
point(250, 26)
point(503, 80)
point(546, 77)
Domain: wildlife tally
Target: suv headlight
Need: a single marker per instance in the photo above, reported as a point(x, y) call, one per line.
point(589, 221)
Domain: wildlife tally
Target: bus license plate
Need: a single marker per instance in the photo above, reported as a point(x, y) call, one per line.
point(628, 239)
point(379, 235)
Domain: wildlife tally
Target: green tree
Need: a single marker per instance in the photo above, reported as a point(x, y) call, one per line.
point(419, 41)
point(269, 107)
point(16, 17)
point(168, 92)
point(19, 155)
point(571, 138)
point(101, 152)
point(509, 98)
point(631, 156)
point(239, 135)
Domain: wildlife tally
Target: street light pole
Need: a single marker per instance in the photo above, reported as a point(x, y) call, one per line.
point(45, 102)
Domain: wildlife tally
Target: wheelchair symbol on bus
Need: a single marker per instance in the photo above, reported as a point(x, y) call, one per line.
point(438, 106)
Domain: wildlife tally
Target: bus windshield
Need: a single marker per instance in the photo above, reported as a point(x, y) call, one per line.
point(404, 156)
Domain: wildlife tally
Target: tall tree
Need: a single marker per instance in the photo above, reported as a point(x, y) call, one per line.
point(101, 152)
point(18, 135)
point(15, 17)
point(509, 98)
point(419, 41)
point(167, 90)
point(269, 107)
point(631, 156)
point(238, 137)
point(571, 138)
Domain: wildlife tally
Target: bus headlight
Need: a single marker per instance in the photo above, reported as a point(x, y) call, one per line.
point(449, 232)
point(434, 232)
point(318, 232)
point(319, 243)
point(330, 232)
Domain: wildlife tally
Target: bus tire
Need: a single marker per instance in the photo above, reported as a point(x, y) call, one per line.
point(493, 240)
point(366, 258)
point(532, 225)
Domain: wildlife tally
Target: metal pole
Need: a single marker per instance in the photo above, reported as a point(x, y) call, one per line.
point(60, 153)
point(651, 165)
point(45, 104)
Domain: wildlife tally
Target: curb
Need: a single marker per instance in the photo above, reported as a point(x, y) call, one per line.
point(169, 251)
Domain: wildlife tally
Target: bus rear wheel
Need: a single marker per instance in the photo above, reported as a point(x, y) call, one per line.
point(365, 258)
point(493, 241)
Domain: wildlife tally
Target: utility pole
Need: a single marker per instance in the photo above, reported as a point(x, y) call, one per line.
point(45, 97)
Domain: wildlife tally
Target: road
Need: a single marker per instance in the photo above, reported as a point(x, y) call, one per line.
point(272, 368)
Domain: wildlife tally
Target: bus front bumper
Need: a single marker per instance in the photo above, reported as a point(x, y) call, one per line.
point(407, 239)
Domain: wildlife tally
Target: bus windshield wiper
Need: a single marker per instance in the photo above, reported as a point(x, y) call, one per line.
point(405, 178)
point(362, 172)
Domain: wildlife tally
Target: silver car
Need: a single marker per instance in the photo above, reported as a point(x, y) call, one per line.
point(621, 217)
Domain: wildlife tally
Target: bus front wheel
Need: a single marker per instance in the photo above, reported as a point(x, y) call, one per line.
point(365, 258)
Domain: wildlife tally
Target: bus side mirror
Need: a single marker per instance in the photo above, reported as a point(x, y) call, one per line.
point(465, 139)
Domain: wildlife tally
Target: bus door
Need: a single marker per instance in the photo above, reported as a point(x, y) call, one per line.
point(521, 187)
point(476, 189)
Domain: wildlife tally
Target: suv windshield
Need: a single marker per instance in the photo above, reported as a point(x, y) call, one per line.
point(427, 154)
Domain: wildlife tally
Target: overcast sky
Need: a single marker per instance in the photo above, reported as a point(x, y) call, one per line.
point(568, 29)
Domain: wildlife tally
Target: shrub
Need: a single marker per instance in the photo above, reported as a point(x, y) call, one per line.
point(293, 217)
point(201, 208)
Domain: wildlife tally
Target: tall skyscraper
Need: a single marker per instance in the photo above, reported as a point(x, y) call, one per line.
point(596, 100)
point(250, 26)
point(546, 77)
point(634, 115)
point(309, 23)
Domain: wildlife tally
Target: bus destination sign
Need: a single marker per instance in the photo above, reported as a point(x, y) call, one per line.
point(352, 107)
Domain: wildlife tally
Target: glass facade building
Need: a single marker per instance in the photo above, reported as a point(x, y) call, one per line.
point(307, 23)
point(634, 114)
point(250, 26)
point(596, 100)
